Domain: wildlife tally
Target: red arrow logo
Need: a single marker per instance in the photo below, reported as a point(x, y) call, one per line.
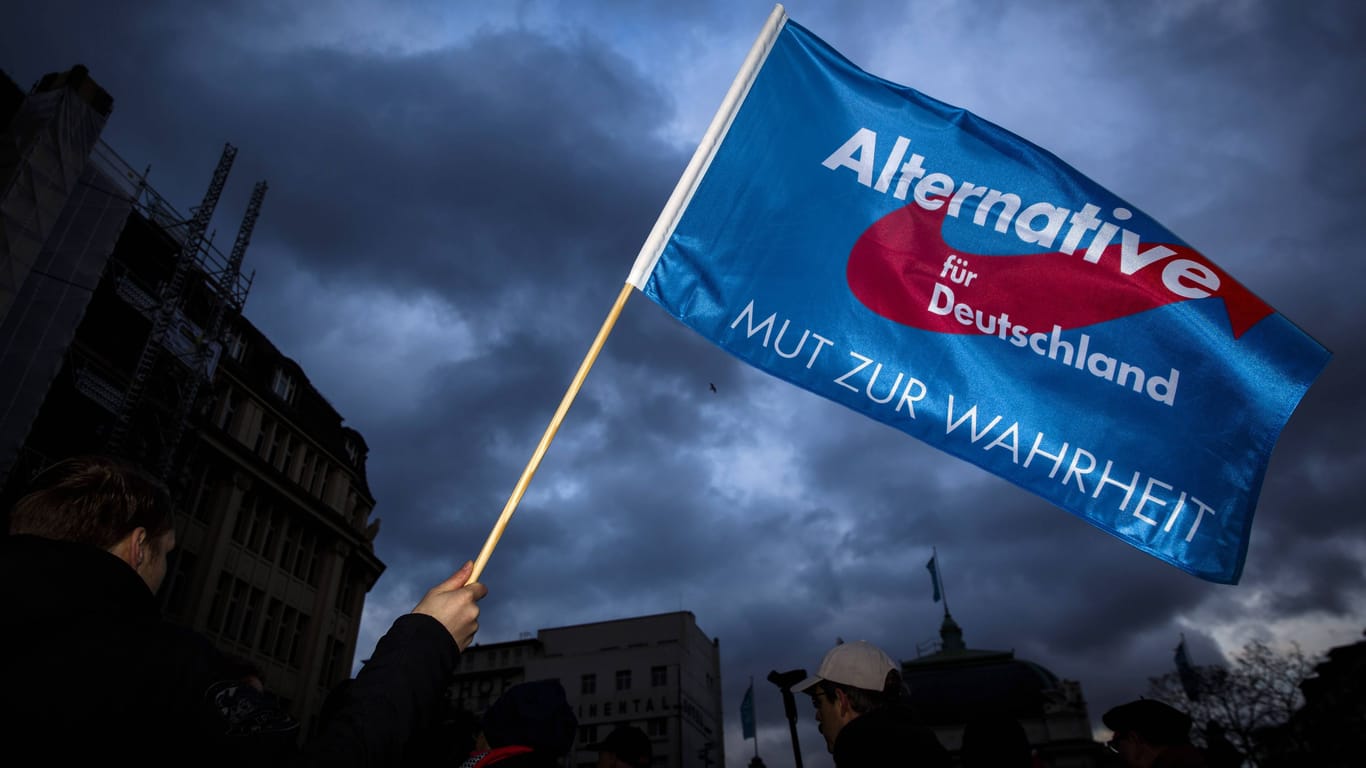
point(897, 263)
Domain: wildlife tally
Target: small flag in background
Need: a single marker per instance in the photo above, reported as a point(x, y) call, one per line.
point(1190, 676)
point(747, 713)
point(934, 578)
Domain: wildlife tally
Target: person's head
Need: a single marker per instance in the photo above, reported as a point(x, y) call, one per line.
point(625, 747)
point(533, 714)
point(994, 741)
point(853, 679)
point(1143, 729)
point(105, 502)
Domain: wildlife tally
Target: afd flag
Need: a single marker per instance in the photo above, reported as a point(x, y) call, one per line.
point(934, 271)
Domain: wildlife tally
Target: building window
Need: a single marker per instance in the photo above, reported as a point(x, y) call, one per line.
point(271, 627)
point(282, 637)
point(306, 563)
point(229, 408)
point(347, 590)
point(263, 436)
point(588, 734)
point(659, 676)
point(289, 551)
point(237, 599)
point(287, 456)
point(305, 466)
point(275, 522)
point(260, 521)
point(296, 643)
point(623, 679)
point(588, 684)
point(315, 484)
point(311, 574)
point(253, 612)
point(237, 346)
point(276, 438)
point(283, 385)
point(246, 514)
point(220, 601)
point(208, 488)
point(657, 726)
point(332, 671)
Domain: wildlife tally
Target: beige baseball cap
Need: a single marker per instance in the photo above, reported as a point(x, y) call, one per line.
point(859, 664)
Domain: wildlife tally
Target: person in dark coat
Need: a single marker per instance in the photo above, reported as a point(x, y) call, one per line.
point(92, 674)
point(862, 710)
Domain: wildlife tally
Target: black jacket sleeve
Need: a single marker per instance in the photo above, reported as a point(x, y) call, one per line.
point(396, 695)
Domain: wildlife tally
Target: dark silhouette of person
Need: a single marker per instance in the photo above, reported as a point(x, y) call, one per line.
point(625, 747)
point(91, 671)
point(995, 741)
point(1151, 734)
point(530, 726)
point(864, 712)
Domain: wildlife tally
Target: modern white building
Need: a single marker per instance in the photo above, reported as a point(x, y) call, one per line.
point(659, 673)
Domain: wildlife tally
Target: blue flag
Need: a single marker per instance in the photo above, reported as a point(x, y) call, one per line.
point(933, 271)
point(934, 578)
point(747, 713)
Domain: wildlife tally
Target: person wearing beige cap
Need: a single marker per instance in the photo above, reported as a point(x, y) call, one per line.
point(863, 713)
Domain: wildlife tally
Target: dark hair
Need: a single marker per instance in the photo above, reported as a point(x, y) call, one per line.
point(863, 700)
point(1155, 722)
point(93, 500)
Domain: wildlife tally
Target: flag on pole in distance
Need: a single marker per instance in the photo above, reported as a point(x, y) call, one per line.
point(934, 271)
point(1190, 678)
point(747, 713)
point(934, 578)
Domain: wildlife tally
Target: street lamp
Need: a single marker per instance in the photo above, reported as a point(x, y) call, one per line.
point(785, 681)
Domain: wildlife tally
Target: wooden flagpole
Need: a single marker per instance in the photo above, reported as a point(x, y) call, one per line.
point(649, 254)
point(550, 431)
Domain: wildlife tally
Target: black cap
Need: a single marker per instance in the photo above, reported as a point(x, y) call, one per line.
point(1153, 721)
point(628, 743)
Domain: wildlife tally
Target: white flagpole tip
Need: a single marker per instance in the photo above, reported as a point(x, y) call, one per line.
point(706, 149)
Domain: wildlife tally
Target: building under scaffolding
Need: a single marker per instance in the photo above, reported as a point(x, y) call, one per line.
point(121, 331)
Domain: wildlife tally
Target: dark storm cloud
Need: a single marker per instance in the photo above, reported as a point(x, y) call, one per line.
point(455, 202)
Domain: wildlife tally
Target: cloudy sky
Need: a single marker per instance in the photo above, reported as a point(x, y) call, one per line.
point(457, 190)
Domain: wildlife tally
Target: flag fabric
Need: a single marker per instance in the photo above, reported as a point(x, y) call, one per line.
point(747, 713)
point(1190, 677)
point(931, 270)
point(934, 577)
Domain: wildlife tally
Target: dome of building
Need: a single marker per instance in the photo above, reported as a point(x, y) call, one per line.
point(956, 684)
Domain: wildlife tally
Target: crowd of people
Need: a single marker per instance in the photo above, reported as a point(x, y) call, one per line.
point(863, 710)
point(92, 673)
